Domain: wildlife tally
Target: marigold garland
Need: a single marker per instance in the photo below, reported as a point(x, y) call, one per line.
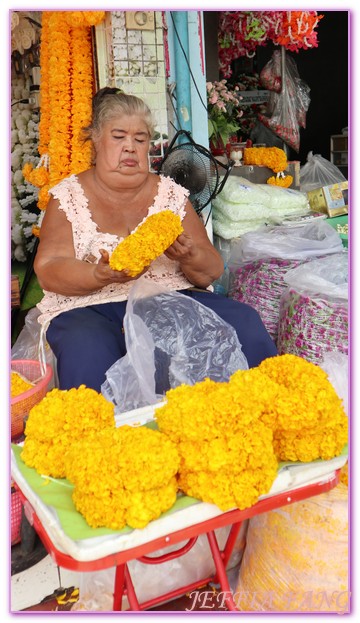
point(151, 238)
point(311, 421)
point(227, 456)
point(61, 417)
point(137, 481)
point(272, 157)
point(66, 93)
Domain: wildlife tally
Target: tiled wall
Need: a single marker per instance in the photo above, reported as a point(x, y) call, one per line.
point(138, 67)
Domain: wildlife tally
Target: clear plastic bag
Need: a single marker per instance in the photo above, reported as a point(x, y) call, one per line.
point(318, 172)
point(296, 557)
point(336, 366)
point(170, 339)
point(288, 103)
point(296, 243)
point(31, 344)
point(313, 315)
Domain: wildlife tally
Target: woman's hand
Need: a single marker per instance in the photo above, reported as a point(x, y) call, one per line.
point(105, 275)
point(182, 249)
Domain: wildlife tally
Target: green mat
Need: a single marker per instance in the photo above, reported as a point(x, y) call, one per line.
point(56, 493)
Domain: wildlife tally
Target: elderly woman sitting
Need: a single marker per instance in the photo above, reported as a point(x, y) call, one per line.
point(84, 300)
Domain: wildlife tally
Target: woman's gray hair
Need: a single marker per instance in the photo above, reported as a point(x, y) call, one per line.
point(110, 102)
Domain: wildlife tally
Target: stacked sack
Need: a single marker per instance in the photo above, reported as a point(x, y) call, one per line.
point(313, 313)
point(296, 557)
point(243, 206)
point(260, 260)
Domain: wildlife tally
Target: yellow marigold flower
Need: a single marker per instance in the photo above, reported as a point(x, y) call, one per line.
point(151, 238)
point(61, 417)
point(284, 182)
point(19, 384)
point(137, 481)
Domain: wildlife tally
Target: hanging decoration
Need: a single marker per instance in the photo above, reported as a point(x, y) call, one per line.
point(241, 32)
point(297, 30)
point(66, 93)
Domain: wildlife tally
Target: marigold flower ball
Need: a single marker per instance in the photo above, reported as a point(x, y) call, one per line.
point(136, 482)
point(61, 417)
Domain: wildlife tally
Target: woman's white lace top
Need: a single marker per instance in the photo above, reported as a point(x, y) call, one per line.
point(88, 240)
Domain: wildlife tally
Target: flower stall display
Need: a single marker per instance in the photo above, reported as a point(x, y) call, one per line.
point(137, 480)
point(224, 112)
point(313, 311)
point(150, 239)
point(57, 420)
point(296, 558)
point(260, 260)
point(66, 91)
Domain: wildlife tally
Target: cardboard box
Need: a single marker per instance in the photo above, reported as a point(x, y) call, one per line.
point(341, 225)
point(332, 200)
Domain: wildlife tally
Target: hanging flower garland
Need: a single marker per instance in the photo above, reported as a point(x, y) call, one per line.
point(82, 88)
point(241, 32)
point(66, 92)
point(297, 30)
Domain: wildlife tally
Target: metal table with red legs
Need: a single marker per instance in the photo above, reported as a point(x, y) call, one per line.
point(184, 525)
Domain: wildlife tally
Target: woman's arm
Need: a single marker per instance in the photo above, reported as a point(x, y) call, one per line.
point(199, 260)
point(56, 266)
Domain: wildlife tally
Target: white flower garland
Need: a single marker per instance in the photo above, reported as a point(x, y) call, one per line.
point(24, 148)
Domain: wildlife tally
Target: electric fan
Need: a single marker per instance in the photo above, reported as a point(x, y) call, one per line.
point(195, 168)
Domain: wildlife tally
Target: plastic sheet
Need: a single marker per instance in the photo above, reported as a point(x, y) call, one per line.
point(170, 339)
point(313, 311)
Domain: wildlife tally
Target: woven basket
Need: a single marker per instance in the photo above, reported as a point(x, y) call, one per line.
point(21, 404)
point(16, 510)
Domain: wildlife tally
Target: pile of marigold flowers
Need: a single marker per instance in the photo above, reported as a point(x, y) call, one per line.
point(149, 241)
point(61, 417)
point(19, 384)
point(231, 435)
point(137, 480)
point(311, 422)
point(226, 452)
